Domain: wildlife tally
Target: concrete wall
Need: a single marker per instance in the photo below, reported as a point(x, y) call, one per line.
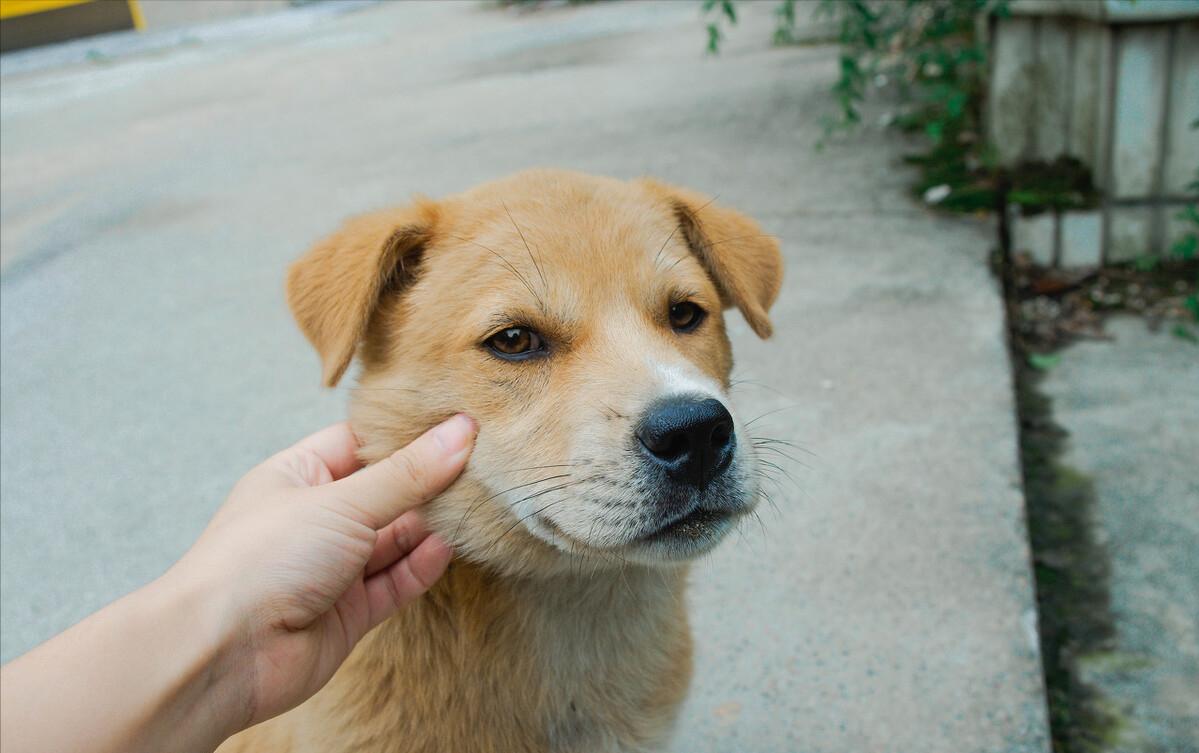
point(1115, 85)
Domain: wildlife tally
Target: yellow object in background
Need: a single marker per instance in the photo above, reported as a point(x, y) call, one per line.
point(27, 23)
point(12, 8)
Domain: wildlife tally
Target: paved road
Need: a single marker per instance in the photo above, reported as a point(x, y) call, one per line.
point(151, 203)
point(1131, 408)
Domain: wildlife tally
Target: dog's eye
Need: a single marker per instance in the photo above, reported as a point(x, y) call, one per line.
point(685, 316)
point(515, 342)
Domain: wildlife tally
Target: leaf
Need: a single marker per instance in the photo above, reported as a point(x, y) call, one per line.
point(1186, 247)
point(1192, 304)
point(1184, 332)
point(1145, 263)
point(957, 104)
point(1043, 361)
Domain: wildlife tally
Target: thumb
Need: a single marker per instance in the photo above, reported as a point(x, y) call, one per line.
point(380, 493)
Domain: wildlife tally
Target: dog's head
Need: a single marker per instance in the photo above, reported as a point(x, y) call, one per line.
point(579, 321)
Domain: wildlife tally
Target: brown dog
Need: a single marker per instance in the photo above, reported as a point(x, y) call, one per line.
point(578, 320)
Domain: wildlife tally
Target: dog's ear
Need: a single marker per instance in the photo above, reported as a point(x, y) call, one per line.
point(335, 287)
point(744, 262)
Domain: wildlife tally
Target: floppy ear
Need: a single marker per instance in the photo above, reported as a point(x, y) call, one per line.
point(335, 287)
point(744, 262)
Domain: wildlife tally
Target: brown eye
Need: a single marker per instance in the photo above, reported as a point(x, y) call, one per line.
point(515, 343)
point(685, 316)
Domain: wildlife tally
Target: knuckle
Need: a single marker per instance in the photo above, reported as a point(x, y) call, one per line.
point(407, 471)
point(423, 579)
point(393, 589)
point(401, 538)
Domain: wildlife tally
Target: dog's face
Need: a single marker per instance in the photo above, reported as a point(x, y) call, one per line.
point(579, 321)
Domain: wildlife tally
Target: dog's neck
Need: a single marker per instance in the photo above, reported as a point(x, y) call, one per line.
point(577, 628)
point(592, 597)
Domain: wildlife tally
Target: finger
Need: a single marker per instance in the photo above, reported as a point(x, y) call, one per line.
point(396, 540)
point(407, 579)
point(379, 493)
point(336, 446)
point(317, 459)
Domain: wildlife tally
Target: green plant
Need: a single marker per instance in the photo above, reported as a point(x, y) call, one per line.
point(929, 50)
point(784, 30)
point(931, 55)
point(1184, 331)
point(1043, 361)
point(1187, 247)
point(728, 9)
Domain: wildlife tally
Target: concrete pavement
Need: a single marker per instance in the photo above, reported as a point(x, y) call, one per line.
point(152, 202)
point(1131, 408)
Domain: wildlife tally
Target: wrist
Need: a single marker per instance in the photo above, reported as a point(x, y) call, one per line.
point(210, 652)
point(153, 671)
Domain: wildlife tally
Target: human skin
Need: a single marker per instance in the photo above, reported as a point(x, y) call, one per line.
point(307, 555)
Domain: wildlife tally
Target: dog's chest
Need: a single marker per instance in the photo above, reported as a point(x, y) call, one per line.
point(496, 668)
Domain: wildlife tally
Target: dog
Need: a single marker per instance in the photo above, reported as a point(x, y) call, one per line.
point(579, 320)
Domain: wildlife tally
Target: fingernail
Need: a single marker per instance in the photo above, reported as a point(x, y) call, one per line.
point(455, 433)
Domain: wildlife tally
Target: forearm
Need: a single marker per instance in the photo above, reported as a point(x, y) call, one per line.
point(150, 672)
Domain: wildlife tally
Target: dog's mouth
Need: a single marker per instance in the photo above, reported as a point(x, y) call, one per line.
point(681, 538)
point(686, 537)
point(697, 526)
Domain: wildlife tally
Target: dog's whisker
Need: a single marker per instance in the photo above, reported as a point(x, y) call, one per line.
point(523, 518)
point(771, 413)
point(590, 533)
point(743, 238)
point(775, 466)
point(508, 264)
point(757, 517)
point(534, 495)
point(541, 467)
point(475, 506)
point(523, 240)
point(658, 255)
point(677, 261)
point(628, 586)
point(767, 476)
point(784, 442)
point(740, 529)
point(781, 455)
point(692, 215)
point(776, 469)
point(614, 413)
point(758, 448)
point(734, 383)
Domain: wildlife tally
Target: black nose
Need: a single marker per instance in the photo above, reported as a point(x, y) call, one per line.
point(690, 438)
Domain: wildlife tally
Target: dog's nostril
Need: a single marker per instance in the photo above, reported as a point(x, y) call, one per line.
point(690, 438)
point(721, 434)
point(669, 447)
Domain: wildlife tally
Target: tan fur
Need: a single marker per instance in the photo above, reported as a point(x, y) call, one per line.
point(548, 633)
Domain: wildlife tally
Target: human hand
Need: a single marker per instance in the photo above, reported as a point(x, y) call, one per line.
point(309, 553)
